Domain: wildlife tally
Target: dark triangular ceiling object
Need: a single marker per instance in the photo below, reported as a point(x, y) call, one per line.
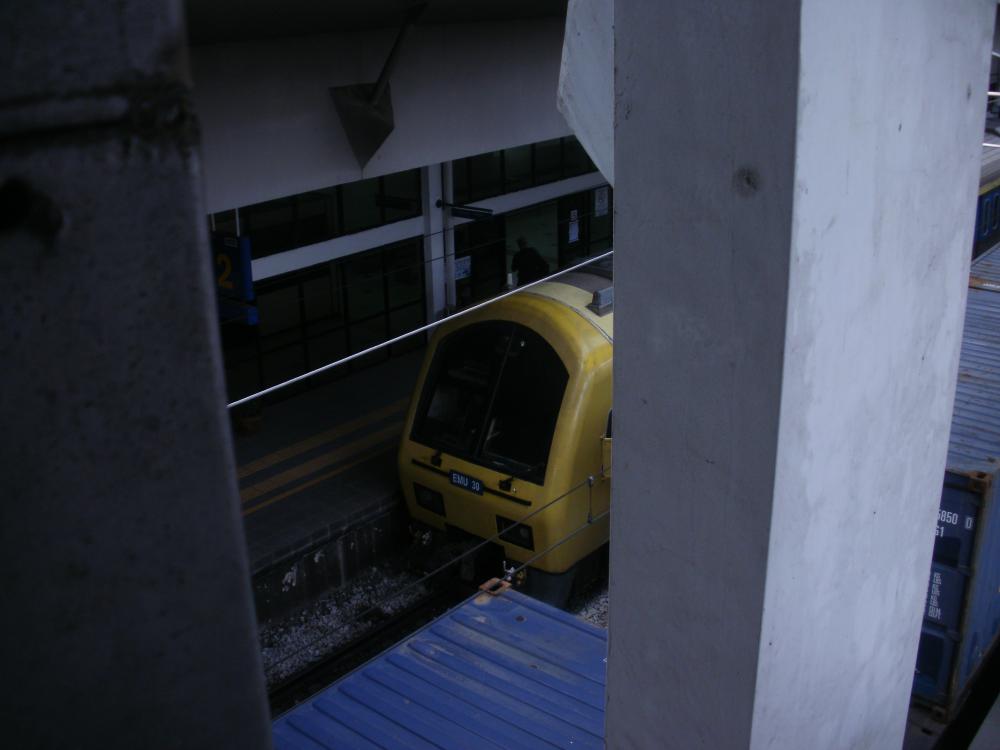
point(365, 109)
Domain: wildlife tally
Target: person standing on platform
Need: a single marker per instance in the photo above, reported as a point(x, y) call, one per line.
point(528, 263)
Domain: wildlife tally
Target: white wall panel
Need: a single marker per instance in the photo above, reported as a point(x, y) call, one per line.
point(269, 128)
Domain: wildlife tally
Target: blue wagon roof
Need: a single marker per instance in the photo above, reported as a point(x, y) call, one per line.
point(975, 424)
point(495, 672)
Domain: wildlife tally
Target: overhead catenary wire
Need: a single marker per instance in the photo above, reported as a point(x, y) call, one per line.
point(441, 568)
point(414, 332)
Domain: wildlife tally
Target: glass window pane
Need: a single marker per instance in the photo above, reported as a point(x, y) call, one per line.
point(548, 159)
point(315, 217)
point(278, 309)
point(537, 229)
point(361, 205)
point(338, 310)
point(401, 195)
point(460, 180)
point(239, 349)
point(601, 226)
point(404, 269)
point(282, 364)
point(363, 278)
point(403, 321)
point(484, 176)
point(517, 168)
point(269, 225)
point(456, 396)
point(484, 242)
point(484, 287)
point(316, 297)
point(575, 159)
point(281, 339)
point(493, 396)
point(225, 221)
point(366, 334)
point(326, 348)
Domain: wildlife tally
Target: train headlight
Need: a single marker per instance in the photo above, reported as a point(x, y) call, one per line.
point(519, 534)
point(428, 499)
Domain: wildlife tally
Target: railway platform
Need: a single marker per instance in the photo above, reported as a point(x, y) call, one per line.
point(318, 482)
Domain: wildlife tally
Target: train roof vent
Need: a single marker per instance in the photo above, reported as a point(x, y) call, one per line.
point(603, 302)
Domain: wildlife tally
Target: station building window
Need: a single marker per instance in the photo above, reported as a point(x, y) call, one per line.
point(315, 315)
point(311, 317)
point(314, 216)
point(482, 245)
point(517, 168)
point(563, 231)
point(506, 171)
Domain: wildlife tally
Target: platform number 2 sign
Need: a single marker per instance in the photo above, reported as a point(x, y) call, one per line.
point(224, 265)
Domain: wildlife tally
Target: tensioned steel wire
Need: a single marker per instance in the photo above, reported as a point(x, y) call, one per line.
point(444, 566)
point(415, 331)
point(405, 267)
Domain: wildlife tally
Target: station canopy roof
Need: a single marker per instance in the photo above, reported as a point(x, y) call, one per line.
point(240, 20)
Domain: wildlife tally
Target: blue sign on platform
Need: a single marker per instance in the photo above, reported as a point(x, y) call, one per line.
point(233, 277)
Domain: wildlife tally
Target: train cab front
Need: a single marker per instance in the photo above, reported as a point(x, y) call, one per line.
point(478, 438)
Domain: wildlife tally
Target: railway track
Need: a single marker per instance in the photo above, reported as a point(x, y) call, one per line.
point(384, 632)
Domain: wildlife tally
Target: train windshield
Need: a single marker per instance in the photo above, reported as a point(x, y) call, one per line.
point(492, 397)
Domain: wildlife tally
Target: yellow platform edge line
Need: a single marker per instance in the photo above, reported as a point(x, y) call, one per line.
point(317, 480)
point(326, 436)
point(322, 461)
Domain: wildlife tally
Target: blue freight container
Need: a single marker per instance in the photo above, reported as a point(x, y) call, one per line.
point(962, 614)
point(498, 671)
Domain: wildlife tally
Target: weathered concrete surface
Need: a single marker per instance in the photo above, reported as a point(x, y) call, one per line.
point(77, 48)
point(586, 80)
point(129, 621)
point(795, 188)
point(885, 195)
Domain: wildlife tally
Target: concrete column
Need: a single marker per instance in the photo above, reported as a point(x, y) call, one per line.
point(434, 286)
point(448, 195)
point(128, 619)
point(795, 186)
point(586, 86)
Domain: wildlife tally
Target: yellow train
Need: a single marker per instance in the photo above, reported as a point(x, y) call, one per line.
point(511, 416)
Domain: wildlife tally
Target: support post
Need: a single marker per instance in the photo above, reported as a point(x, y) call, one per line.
point(447, 187)
point(127, 606)
point(795, 186)
point(434, 253)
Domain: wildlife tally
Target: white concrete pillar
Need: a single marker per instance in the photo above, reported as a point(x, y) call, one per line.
point(586, 81)
point(434, 285)
point(794, 186)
